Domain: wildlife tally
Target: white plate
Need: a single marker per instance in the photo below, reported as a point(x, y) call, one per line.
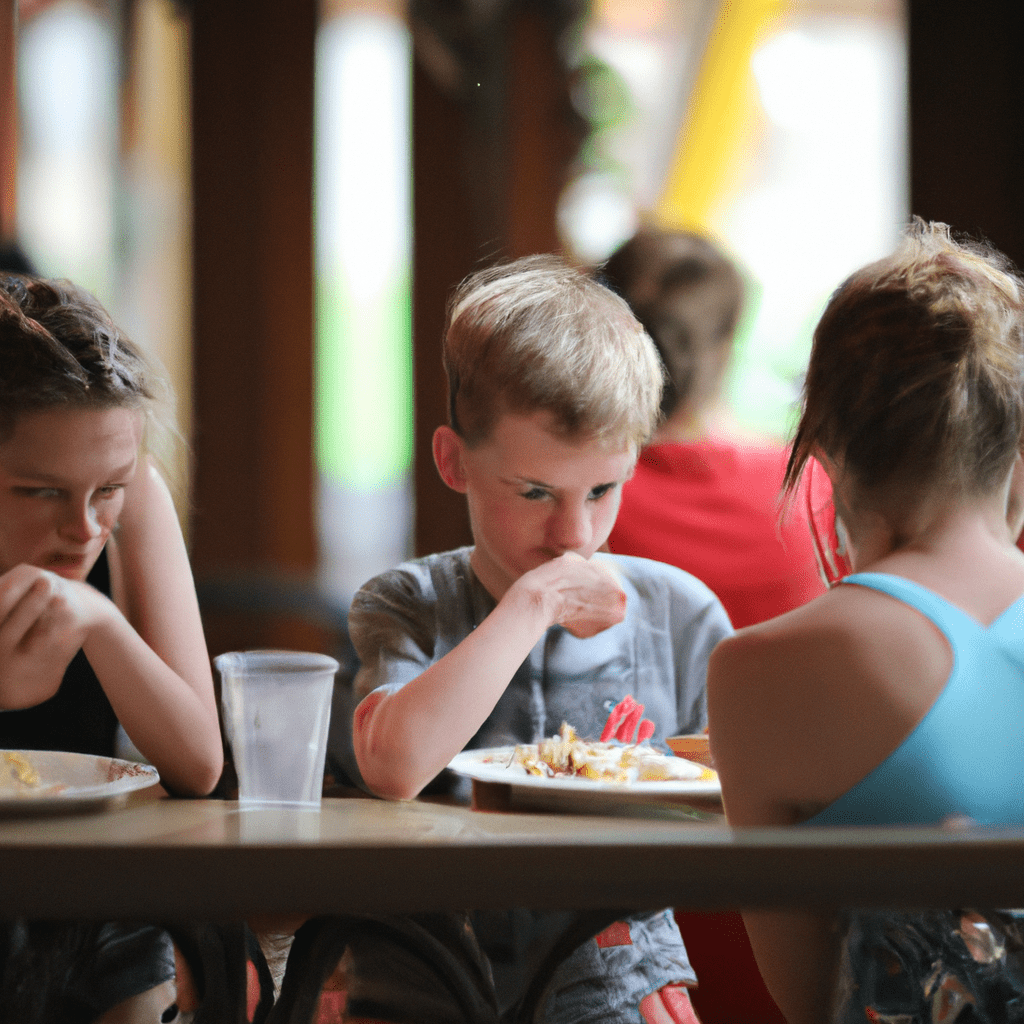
point(489, 765)
point(71, 782)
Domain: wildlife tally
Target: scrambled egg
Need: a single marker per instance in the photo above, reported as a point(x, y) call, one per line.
point(566, 754)
point(20, 773)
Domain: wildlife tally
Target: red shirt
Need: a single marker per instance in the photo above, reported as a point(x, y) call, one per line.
point(712, 507)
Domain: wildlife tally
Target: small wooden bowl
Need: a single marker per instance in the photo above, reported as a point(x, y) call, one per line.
point(694, 747)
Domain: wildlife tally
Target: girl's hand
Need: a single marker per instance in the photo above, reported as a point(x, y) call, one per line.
point(44, 620)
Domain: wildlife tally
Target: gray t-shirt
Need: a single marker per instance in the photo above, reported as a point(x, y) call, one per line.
point(404, 620)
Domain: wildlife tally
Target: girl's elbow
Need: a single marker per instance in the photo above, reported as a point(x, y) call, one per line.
point(203, 775)
point(212, 776)
point(389, 788)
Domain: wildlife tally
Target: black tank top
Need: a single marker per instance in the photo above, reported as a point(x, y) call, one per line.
point(78, 717)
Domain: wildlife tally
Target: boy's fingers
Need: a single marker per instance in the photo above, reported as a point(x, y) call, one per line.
point(645, 732)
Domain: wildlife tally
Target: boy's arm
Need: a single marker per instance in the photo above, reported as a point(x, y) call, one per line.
point(150, 653)
point(403, 738)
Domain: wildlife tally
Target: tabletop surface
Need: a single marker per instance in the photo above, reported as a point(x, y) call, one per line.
point(214, 859)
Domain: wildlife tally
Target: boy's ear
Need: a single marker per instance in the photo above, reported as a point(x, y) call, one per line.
point(448, 449)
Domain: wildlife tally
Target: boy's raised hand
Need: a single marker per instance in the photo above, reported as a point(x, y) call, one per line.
point(582, 595)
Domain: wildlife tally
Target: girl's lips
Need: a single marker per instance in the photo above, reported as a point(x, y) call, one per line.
point(67, 565)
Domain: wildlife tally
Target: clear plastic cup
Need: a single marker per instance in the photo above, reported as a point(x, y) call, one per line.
point(277, 708)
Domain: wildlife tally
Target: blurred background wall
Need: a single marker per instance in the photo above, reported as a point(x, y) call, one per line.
point(275, 199)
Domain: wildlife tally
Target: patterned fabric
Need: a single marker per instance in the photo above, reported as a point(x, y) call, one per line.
point(934, 967)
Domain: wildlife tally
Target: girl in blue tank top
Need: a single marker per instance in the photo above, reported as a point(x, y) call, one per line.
point(898, 696)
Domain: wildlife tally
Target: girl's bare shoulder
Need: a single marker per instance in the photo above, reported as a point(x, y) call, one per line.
point(822, 694)
point(838, 617)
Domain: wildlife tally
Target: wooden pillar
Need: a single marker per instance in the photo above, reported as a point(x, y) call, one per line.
point(252, 167)
point(8, 122)
point(966, 129)
point(444, 251)
point(544, 135)
point(488, 170)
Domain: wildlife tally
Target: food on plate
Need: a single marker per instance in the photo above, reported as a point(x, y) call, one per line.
point(18, 773)
point(567, 755)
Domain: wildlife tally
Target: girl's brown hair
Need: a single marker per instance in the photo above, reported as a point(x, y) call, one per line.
point(59, 348)
point(916, 374)
point(688, 295)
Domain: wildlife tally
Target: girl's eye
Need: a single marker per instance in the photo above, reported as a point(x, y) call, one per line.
point(38, 492)
point(535, 494)
point(109, 490)
point(600, 491)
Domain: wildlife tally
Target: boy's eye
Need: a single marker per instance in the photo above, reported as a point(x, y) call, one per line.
point(109, 490)
point(600, 491)
point(535, 494)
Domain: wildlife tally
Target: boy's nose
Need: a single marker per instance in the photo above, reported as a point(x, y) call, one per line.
point(569, 529)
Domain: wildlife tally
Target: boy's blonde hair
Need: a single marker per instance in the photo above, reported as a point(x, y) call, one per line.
point(538, 335)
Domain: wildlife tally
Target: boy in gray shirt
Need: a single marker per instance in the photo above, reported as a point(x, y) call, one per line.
point(553, 388)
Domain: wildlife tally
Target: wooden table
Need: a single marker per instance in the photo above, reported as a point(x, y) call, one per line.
point(211, 860)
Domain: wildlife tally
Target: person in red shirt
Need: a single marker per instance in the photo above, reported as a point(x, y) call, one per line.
point(702, 497)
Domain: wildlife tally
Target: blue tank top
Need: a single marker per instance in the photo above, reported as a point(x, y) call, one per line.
point(966, 756)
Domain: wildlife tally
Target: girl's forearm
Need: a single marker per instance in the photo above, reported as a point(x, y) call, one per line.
point(162, 689)
point(173, 725)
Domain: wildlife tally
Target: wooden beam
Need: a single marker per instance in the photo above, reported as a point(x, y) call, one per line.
point(966, 131)
point(490, 160)
point(444, 252)
point(252, 168)
point(8, 122)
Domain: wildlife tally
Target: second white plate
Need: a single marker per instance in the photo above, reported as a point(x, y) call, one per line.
point(492, 764)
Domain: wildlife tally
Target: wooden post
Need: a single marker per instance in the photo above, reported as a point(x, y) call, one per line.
point(486, 185)
point(8, 122)
point(966, 133)
point(252, 164)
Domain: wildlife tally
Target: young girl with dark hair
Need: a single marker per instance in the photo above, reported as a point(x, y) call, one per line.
point(101, 644)
point(702, 497)
point(99, 622)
